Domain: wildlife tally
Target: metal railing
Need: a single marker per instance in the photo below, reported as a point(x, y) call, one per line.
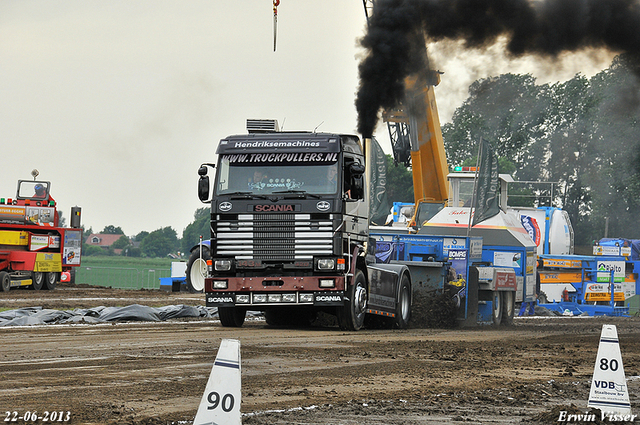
point(122, 278)
point(535, 193)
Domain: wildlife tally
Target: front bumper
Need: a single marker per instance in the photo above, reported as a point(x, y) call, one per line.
point(260, 300)
point(269, 291)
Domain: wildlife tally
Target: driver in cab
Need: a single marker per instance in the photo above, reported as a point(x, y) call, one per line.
point(259, 180)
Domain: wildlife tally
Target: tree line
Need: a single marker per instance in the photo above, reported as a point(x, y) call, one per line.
point(583, 133)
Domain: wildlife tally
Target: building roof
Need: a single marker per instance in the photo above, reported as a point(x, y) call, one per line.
point(102, 239)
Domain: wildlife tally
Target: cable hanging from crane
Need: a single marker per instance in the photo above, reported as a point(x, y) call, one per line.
point(276, 3)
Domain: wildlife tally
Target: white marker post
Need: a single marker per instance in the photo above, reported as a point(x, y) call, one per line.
point(220, 404)
point(609, 391)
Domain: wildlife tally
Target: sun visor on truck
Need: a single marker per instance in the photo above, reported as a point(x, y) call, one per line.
point(284, 142)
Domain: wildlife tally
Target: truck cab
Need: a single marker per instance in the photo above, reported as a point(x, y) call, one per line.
point(289, 223)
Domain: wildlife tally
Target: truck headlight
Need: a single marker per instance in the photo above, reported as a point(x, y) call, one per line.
point(275, 298)
point(222, 265)
point(219, 284)
point(327, 283)
point(259, 298)
point(306, 298)
point(242, 299)
point(326, 264)
point(288, 298)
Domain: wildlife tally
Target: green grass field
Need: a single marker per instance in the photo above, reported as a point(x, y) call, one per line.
point(123, 272)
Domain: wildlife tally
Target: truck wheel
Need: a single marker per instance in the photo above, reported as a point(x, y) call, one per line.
point(231, 317)
point(37, 281)
point(403, 308)
point(197, 270)
point(50, 280)
point(351, 315)
point(5, 281)
point(508, 307)
point(497, 307)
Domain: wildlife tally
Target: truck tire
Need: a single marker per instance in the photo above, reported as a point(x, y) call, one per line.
point(37, 281)
point(5, 281)
point(50, 280)
point(231, 317)
point(197, 270)
point(403, 308)
point(351, 315)
point(508, 307)
point(496, 299)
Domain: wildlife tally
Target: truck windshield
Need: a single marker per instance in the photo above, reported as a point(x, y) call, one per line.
point(466, 193)
point(319, 178)
point(32, 190)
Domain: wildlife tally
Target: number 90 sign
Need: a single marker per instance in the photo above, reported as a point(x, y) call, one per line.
point(214, 399)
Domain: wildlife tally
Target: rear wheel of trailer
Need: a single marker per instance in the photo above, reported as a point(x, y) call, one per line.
point(508, 307)
point(5, 281)
point(496, 300)
point(37, 281)
point(403, 308)
point(50, 280)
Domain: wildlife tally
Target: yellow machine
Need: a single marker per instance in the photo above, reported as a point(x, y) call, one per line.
point(416, 138)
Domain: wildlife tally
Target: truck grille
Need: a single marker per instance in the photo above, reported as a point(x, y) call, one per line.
point(274, 236)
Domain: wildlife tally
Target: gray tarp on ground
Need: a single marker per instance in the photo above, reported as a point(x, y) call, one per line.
point(135, 312)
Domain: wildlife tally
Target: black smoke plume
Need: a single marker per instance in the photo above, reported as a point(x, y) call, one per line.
point(396, 47)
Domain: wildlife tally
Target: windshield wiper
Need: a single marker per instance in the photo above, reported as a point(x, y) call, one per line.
point(303, 193)
point(246, 195)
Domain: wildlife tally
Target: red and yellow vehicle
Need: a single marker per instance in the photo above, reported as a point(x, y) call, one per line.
point(34, 249)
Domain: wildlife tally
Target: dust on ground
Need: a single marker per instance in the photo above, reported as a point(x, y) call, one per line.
point(155, 373)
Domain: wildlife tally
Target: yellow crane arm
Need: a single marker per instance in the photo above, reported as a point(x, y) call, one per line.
point(419, 118)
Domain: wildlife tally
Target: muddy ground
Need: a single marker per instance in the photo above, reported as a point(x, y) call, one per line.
point(155, 373)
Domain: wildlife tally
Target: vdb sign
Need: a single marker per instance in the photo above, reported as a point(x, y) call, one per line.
point(609, 391)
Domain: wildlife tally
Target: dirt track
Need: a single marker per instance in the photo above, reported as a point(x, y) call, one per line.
point(154, 373)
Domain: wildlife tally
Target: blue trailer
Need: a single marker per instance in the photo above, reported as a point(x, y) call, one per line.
point(599, 284)
point(458, 266)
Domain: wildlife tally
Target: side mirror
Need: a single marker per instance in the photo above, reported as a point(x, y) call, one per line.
point(203, 183)
point(357, 187)
point(203, 188)
point(357, 170)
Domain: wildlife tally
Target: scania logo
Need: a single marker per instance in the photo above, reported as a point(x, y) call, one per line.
point(224, 206)
point(323, 206)
point(328, 298)
point(221, 300)
point(273, 208)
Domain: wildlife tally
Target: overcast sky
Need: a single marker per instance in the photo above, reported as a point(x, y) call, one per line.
point(117, 103)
